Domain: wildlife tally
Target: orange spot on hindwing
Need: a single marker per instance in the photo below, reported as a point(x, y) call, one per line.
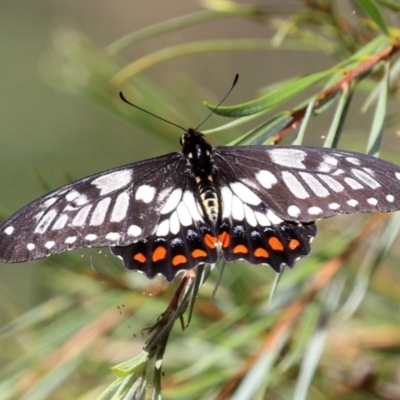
point(260, 252)
point(275, 244)
point(210, 241)
point(197, 253)
point(159, 254)
point(294, 244)
point(179, 259)
point(240, 248)
point(139, 257)
point(225, 239)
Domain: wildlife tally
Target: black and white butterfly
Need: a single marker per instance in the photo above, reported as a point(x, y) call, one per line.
point(174, 212)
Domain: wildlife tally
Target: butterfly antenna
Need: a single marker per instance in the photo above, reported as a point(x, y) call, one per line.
point(150, 113)
point(221, 101)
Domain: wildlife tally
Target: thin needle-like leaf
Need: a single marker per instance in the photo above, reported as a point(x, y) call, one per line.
point(376, 133)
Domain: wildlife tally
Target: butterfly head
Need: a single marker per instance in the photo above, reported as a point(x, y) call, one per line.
point(198, 152)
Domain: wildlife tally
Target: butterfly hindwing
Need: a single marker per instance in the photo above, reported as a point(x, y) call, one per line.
point(275, 245)
point(167, 255)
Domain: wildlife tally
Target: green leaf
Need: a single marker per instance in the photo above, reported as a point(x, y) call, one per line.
point(273, 99)
point(131, 366)
point(376, 133)
point(370, 7)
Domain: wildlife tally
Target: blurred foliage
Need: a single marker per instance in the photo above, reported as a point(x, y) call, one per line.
point(328, 329)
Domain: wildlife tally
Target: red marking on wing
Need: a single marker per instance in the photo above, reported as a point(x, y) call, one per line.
point(197, 253)
point(294, 244)
point(210, 241)
point(140, 257)
point(225, 239)
point(179, 259)
point(240, 248)
point(159, 254)
point(260, 252)
point(276, 244)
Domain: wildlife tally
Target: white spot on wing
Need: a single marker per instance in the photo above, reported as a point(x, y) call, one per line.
point(294, 211)
point(328, 164)
point(9, 230)
point(174, 225)
point(30, 246)
point(68, 208)
point(60, 222)
point(315, 210)
point(249, 214)
point(172, 201)
point(355, 185)
point(91, 237)
point(120, 207)
point(294, 185)
point(338, 172)
point(262, 219)
point(372, 201)
point(332, 183)
point(245, 194)
point(226, 195)
point(397, 174)
point(113, 181)
point(134, 230)
point(100, 211)
point(314, 184)
point(45, 222)
point(71, 196)
point(289, 158)
point(113, 236)
point(353, 160)
point(50, 244)
point(81, 200)
point(38, 215)
point(352, 202)
point(275, 220)
point(50, 202)
point(145, 193)
point(70, 239)
point(192, 205)
point(237, 209)
point(366, 178)
point(80, 218)
point(334, 206)
point(183, 214)
point(390, 198)
point(266, 178)
point(163, 228)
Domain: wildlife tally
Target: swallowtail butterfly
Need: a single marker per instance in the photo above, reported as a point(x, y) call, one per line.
point(174, 212)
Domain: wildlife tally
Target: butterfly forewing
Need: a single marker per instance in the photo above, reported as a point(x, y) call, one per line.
point(309, 183)
point(118, 206)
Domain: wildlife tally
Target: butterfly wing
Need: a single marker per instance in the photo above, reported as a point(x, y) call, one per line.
point(115, 206)
point(271, 197)
point(309, 183)
point(181, 240)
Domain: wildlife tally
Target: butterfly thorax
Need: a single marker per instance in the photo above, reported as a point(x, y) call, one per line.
point(198, 153)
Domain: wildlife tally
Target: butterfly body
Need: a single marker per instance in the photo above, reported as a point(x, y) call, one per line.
point(199, 153)
point(173, 212)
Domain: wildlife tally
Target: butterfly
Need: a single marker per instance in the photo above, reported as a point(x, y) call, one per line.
point(174, 212)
